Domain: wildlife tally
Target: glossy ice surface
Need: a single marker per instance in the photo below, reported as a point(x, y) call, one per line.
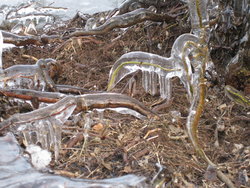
point(16, 171)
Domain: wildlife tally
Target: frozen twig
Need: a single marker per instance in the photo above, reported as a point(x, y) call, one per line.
point(125, 20)
point(29, 76)
point(82, 102)
point(19, 40)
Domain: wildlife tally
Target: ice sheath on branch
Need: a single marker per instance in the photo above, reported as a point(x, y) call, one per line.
point(199, 21)
point(28, 76)
point(46, 123)
point(190, 71)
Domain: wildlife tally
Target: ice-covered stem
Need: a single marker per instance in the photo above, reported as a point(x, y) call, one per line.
point(198, 14)
point(199, 20)
point(19, 40)
point(237, 96)
point(112, 100)
point(28, 94)
point(116, 71)
point(197, 108)
point(124, 21)
point(42, 113)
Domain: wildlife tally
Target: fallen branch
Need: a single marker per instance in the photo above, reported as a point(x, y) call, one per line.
point(83, 103)
point(125, 20)
point(19, 40)
point(27, 94)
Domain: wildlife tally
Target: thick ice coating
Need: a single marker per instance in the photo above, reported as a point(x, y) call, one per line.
point(44, 125)
point(27, 76)
point(16, 171)
point(157, 69)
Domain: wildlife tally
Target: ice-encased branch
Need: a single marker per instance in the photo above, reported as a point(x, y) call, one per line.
point(83, 103)
point(47, 122)
point(177, 65)
point(125, 20)
point(28, 76)
point(19, 40)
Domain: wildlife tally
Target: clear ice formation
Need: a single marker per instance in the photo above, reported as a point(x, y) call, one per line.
point(16, 171)
point(1, 51)
point(27, 76)
point(185, 61)
point(31, 13)
point(198, 19)
point(157, 69)
point(43, 126)
point(189, 60)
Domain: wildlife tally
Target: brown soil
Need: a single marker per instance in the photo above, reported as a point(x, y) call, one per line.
point(121, 144)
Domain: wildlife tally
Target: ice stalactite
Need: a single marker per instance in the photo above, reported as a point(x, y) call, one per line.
point(44, 126)
point(47, 130)
point(1, 51)
point(88, 120)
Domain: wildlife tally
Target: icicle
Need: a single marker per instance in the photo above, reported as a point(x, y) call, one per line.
point(48, 130)
point(153, 83)
point(145, 80)
point(1, 51)
point(132, 86)
point(177, 65)
point(87, 124)
point(165, 87)
point(100, 115)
